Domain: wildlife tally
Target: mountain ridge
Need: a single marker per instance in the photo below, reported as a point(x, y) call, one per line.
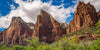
point(47, 28)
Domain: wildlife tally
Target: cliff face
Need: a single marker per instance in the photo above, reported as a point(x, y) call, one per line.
point(16, 33)
point(84, 16)
point(99, 15)
point(46, 28)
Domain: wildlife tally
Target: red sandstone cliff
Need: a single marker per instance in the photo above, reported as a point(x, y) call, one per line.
point(84, 16)
point(46, 28)
point(16, 33)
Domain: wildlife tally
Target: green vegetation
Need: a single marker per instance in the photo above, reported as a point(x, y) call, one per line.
point(98, 26)
point(64, 43)
point(18, 47)
point(83, 31)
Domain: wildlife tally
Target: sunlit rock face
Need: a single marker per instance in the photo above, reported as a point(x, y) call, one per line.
point(84, 16)
point(46, 28)
point(16, 33)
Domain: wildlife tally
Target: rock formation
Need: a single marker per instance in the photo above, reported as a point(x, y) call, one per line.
point(99, 15)
point(16, 33)
point(85, 37)
point(46, 28)
point(85, 16)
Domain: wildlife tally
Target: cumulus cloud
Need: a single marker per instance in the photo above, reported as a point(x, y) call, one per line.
point(28, 11)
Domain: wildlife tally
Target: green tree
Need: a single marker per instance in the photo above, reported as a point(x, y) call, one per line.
point(4, 47)
point(33, 44)
point(98, 26)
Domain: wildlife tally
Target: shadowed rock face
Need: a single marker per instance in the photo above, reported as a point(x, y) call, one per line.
point(85, 16)
point(16, 33)
point(46, 28)
point(99, 15)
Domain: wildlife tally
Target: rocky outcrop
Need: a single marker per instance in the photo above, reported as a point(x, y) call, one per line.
point(85, 37)
point(16, 33)
point(46, 28)
point(85, 16)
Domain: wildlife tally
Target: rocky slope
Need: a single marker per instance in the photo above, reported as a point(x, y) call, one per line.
point(84, 16)
point(46, 28)
point(16, 33)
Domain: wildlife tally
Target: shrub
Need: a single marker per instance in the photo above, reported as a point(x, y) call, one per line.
point(98, 26)
point(4, 47)
point(19, 47)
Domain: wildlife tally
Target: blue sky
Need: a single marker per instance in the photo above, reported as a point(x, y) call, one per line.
point(61, 10)
point(5, 7)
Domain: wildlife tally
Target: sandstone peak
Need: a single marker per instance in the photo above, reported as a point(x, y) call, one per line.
point(16, 32)
point(83, 17)
point(17, 19)
point(80, 3)
point(42, 11)
point(46, 28)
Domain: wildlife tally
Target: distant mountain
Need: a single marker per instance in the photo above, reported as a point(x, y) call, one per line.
point(63, 25)
point(30, 25)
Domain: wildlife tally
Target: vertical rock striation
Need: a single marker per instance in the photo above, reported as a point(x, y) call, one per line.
point(16, 33)
point(46, 28)
point(84, 16)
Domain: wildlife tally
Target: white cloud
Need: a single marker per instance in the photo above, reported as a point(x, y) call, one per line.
point(62, 1)
point(12, 7)
point(28, 11)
